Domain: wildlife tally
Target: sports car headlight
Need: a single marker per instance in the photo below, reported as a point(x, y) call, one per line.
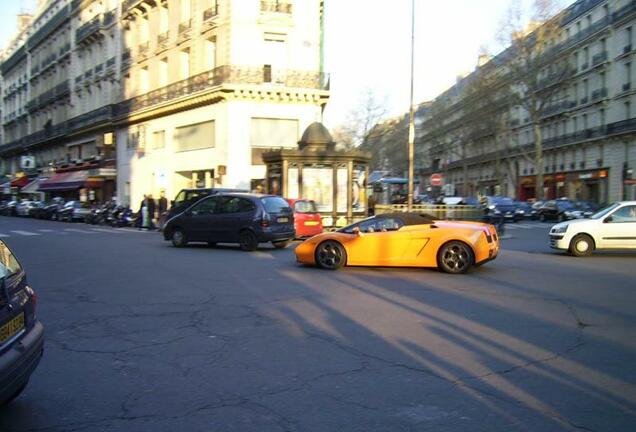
point(560, 229)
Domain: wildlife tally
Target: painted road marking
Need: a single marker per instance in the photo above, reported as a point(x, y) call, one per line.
point(78, 231)
point(25, 233)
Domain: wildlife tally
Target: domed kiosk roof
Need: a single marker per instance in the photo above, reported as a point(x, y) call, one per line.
point(316, 137)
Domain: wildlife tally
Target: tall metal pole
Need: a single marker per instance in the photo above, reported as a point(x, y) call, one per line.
point(411, 149)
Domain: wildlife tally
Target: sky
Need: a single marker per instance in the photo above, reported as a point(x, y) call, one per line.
point(368, 46)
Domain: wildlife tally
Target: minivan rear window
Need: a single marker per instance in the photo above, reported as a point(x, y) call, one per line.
point(8, 264)
point(305, 207)
point(275, 205)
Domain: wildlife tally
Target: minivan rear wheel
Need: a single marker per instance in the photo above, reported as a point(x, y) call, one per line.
point(178, 238)
point(248, 241)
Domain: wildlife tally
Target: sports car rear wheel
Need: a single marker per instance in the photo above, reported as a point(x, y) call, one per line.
point(330, 255)
point(455, 257)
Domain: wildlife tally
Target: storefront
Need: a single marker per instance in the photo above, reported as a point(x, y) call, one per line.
point(92, 185)
point(588, 185)
point(12, 188)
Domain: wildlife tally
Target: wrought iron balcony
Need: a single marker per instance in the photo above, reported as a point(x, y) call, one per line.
point(162, 42)
point(276, 6)
point(89, 31)
point(624, 12)
point(109, 18)
point(599, 94)
point(211, 13)
point(65, 49)
point(217, 77)
point(143, 51)
point(185, 31)
point(63, 88)
point(126, 58)
point(599, 58)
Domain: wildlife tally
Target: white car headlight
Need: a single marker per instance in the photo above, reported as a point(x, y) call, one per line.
point(560, 229)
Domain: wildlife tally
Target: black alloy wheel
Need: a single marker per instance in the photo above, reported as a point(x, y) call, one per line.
point(248, 241)
point(178, 238)
point(331, 255)
point(455, 257)
point(281, 244)
point(581, 245)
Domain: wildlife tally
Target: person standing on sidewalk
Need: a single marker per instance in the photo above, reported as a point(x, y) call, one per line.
point(143, 213)
point(152, 210)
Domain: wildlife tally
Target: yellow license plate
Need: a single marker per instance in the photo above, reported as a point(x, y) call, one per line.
point(311, 223)
point(10, 329)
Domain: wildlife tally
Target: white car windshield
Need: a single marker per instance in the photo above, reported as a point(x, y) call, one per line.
point(603, 212)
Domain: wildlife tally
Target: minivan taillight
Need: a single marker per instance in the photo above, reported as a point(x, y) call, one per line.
point(33, 296)
point(265, 221)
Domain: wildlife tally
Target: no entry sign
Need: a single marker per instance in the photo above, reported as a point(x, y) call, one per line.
point(436, 179)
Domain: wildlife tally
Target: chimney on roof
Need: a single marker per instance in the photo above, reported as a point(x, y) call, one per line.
point(24, 19)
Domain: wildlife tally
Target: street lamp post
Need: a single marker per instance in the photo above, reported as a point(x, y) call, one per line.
point(411, 149)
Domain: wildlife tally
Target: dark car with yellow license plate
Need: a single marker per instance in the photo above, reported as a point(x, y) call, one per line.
point(243, 218)
point(21, 334)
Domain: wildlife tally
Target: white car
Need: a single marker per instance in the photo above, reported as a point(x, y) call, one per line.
point(613, 227)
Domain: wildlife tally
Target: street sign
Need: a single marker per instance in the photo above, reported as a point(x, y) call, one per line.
point(436, 179)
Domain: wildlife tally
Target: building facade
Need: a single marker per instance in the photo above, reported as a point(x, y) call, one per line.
point(148, 96)
point(588, 125)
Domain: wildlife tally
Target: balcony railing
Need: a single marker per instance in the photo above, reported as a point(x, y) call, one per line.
point(276, 6)
point(126, 58)
point(163, 41)
point(211, 13)
point(143, 51)
point(88, 30)
point(599, 94)
point(62, 88)
point(109, 18)
point(217, 77)
point(185, 31)
point(624, 11)
point(599, 58)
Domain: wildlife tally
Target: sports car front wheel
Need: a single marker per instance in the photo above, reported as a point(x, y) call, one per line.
point(330, 255)
point(455, 257)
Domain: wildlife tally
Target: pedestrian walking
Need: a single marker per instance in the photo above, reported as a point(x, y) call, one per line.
point(144, 214)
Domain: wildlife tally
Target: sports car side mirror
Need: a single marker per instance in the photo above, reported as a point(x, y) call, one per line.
point(608, 219)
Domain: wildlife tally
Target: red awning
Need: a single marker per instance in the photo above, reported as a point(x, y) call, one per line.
point(20, 182)
point(64, 181)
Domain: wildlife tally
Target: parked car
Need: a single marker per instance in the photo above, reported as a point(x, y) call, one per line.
point(555, 210)
point(48, 210)
point(186, 197)
point(307, 220)
point(498, 207)
point(243, 218)
point(581, 210)
point(21, 334)
point(25, 207)
point(613, 227)
point(524, 211)
point(73, 211)
point(9, 209)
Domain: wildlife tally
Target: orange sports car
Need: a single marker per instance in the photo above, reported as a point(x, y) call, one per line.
point(403, 240)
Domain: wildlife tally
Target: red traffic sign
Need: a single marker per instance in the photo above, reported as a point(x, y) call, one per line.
point(436, 179)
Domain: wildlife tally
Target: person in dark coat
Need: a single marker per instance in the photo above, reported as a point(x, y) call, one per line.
point(163, 203)
point(152, 210)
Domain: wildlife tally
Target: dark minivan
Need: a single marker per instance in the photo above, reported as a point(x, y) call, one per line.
point(243, 218)
point(21, 334)
point(186, 197)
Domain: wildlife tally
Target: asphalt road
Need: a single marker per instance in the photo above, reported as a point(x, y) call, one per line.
point(142, 336)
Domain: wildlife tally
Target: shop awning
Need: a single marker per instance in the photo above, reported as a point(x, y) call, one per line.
point(33, 187)
point(20, 182)
point(64, 181)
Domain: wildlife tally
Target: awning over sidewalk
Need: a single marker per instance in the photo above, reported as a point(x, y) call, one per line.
point(33, 187)
point(64, 181)
point(70, 181)
point(20, 182)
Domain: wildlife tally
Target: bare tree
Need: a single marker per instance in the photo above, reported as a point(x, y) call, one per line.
point(535, 71)
point(368, 112)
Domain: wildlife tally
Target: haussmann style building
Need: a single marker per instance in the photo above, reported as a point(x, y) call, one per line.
point(117, 99)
